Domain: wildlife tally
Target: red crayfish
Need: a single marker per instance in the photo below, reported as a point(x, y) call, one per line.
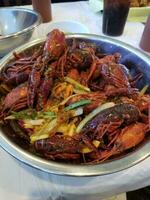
point(37, 70)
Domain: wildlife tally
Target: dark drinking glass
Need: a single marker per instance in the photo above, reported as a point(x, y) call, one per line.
point(115, 13)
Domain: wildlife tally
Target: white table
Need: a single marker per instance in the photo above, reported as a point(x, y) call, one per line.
point(21, 182)
point(81, 12)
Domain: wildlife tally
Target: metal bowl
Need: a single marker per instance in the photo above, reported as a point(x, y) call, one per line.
point(16, 27)
point(135, 61)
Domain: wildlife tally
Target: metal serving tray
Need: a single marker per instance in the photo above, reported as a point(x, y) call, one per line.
point(135, 60)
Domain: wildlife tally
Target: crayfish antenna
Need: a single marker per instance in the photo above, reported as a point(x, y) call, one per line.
point(104, 156)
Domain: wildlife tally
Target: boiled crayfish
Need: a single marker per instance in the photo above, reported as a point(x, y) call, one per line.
point(36, 71)
point(71, 102)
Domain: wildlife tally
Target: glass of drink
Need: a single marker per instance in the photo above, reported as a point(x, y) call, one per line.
point(44, 8)
point(115, 13)
point(145, 40)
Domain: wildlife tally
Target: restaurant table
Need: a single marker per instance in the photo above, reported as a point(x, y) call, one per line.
point(19, 181)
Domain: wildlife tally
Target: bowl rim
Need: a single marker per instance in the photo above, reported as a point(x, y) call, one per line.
point(69, 169)
point(25, 30)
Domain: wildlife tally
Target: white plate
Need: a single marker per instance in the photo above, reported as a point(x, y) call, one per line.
point(139, 14)
point(68, 26)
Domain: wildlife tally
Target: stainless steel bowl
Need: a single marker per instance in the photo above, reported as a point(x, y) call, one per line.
point(16, 27)
point(131, 57)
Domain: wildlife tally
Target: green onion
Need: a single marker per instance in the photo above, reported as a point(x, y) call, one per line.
point(93, 114)
point(49, 114)
point(76, 84)
point(77, 104)
point(79, 91)
point(25, 114)
point(31, 114)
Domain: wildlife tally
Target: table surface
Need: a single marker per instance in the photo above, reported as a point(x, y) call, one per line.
point(21, 182)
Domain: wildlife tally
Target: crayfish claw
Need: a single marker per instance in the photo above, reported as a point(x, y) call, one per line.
point(33, 84)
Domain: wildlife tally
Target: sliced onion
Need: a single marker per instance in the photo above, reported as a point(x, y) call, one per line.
point(44, 131)
point(34, 138)
point(96, 143)
point(143, 91)
point(79, 91)
point(93, 114)
point(67, 99)
point(72, 130)
point(77, 112)
point(35, 122)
